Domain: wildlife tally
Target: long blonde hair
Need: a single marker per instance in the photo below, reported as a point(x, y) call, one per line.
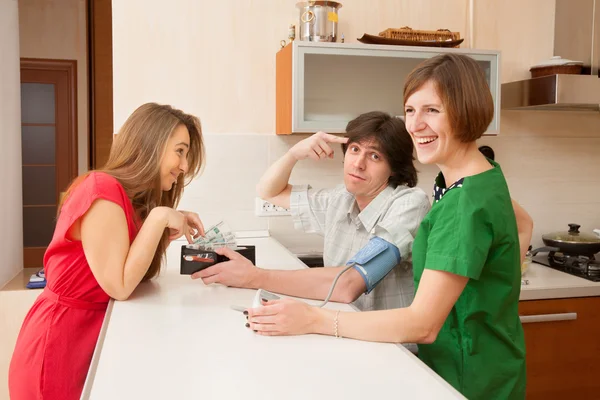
point(135, 158)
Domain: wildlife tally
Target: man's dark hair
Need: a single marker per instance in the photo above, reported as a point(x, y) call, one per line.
point(395, 144)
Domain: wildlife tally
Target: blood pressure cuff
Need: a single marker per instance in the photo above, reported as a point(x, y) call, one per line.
point(375, 260)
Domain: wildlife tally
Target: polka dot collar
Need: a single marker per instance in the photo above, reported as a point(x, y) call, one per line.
point(439, 191)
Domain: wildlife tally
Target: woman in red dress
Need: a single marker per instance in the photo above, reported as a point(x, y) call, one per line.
point(112, 231)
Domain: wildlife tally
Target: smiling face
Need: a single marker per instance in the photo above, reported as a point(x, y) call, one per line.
point(448, 106)
point(174, 161)
point(366, 171)
point(428, 124)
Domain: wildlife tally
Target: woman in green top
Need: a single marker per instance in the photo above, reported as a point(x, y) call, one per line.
point(465, 256)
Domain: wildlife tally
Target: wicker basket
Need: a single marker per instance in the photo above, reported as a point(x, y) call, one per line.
point(556, 69)
point(407, 33)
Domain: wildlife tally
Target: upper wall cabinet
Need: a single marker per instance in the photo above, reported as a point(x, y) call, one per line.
point(322, 86)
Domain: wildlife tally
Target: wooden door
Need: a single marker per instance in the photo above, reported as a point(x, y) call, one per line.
point(49, 147)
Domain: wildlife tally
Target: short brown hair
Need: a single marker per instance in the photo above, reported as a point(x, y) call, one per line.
point(393, 140)
point(464, 91)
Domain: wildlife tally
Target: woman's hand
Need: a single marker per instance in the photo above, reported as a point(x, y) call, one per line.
point(195, 225)
point(316, 146)
point(284, 317)
point(175, 221)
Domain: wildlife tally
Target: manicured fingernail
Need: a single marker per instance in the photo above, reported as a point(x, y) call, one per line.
point(265, 300)
point(245, 312)
point(247, 325)
point(255, 331)
point(246, 317)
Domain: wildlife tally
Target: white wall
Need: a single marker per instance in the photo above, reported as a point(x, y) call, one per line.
point(11, 215)
point(217, 60)
point(58, 30)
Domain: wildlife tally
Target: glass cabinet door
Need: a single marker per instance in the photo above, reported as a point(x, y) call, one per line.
point(334, 83)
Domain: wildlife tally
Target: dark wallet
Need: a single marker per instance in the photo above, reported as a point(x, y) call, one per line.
point(195, 258)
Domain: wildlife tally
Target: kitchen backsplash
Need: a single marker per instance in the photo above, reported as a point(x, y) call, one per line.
point(551, 162)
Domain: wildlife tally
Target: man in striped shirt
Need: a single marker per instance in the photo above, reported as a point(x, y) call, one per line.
point(379, 199)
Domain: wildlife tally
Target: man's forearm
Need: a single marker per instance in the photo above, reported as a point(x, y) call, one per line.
point(312, 283)
point(276, 178)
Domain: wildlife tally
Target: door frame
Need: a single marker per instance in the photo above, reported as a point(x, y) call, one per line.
point(100, 72)
point(33, 71)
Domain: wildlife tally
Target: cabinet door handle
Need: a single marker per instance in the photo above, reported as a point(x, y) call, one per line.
point(527, 319)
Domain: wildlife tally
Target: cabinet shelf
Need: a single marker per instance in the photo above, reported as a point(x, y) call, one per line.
point(322, 86)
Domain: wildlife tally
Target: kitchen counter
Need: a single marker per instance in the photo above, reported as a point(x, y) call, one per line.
point(177, 338)
point(548, 283)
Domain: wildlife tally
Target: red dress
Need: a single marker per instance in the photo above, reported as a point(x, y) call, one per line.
point(59, 334)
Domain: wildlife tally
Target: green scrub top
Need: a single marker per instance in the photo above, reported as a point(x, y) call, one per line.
point(471, 231)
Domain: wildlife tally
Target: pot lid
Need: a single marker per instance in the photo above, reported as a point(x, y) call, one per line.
point(557, 60)
point(572, 236)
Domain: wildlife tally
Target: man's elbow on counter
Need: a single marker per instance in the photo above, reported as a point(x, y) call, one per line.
point(348, 296)
point(351, 288)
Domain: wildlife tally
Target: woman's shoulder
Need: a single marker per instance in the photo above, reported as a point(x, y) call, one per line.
point(101, 177)
point(97, 184)
point(490, 180)
point(488, 189)
point(102, 182)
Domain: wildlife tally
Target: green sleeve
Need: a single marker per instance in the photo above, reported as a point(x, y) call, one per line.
point(460, 238)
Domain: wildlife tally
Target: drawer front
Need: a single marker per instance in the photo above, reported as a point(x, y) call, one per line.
point(562, 339)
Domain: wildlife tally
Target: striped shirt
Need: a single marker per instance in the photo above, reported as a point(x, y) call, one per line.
point(394, 215)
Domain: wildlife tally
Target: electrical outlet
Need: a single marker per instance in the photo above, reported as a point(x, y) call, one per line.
point(265, 209)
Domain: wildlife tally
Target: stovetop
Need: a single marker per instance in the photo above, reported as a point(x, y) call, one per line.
point(587, 267)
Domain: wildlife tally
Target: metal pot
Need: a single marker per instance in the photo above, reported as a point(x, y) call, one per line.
point(318, 20)
point(571, 242)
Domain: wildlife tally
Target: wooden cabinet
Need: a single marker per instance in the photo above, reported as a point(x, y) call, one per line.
point(322, 86)
point(562, 339)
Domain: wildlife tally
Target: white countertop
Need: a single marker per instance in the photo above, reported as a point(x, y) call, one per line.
point(548, 283)
point(177, 338)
